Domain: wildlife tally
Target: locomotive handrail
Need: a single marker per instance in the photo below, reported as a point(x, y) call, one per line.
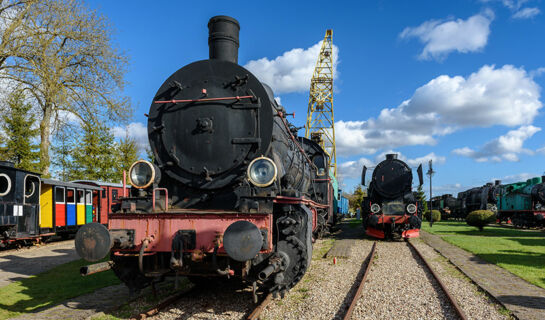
point(205, 99)
point(295, 140)
point(153, 198)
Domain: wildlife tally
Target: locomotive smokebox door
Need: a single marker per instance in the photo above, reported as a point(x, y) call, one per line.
point(93, 241)
point(242, 240)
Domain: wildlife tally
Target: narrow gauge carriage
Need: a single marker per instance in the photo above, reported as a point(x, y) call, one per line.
point(523, 203)
point(390, 207)
point(107, 197)
point(32, 208)
point(232, 192)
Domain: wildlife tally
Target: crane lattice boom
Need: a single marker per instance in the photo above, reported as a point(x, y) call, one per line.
point(320, 122)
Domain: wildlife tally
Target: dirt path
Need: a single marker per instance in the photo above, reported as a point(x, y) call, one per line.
point(20, 264)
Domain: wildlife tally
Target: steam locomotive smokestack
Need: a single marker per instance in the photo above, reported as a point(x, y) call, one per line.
point(391, 156)
point(223, 38)
point(497, 182)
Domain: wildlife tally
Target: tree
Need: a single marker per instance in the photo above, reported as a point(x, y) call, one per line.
point(421, 197)
point(19, 127)
point(94, 157)
point(127, 154)
point(61, 52)
point(354, 201)
point(63, 147)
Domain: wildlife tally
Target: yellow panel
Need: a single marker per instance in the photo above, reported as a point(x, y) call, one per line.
point(46, 206)
point(80, 213)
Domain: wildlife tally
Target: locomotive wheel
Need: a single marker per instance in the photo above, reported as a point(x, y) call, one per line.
point(296, 245)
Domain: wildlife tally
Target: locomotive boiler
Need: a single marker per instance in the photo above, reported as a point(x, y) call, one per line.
point(391, 208)
point(232, 191)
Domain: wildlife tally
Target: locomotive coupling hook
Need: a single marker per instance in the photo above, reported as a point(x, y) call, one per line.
point(145, 244)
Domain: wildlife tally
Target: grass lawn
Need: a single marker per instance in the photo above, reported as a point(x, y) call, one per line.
point(521, 252)
point(50, 288)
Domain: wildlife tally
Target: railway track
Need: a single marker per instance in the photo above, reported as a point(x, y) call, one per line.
point(367, 265)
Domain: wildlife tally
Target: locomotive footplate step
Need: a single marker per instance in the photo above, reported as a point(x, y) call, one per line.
point(341, 249)
point(524, 299)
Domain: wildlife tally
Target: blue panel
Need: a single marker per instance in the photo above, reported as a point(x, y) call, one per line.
point(70, 214)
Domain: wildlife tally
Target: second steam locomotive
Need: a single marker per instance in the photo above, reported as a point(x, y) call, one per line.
point(232, 191)
point(390, 207)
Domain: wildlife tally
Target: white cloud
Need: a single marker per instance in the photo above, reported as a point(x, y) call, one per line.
point(515, 6)
point(516, 177)
point(415, 162)
point(526, 13)
point(537, 72)
point(506, 147)
point(491, 96)
point(292, 71)
point(443, 37)
point(136, 130)
point(352, 169)
point(451, 188)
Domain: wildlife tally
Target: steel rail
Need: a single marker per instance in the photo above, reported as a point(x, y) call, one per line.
point(161, 305)
point(451, 299)
point(260, 308)
point(348, 314)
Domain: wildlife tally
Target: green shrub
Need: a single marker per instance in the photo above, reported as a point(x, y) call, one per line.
point(480, 218)
point(436, 214)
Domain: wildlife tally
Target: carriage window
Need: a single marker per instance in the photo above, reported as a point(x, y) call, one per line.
point(5, 184)
point(88, 197)
point(59, 195)
point(70, 196)
point(114, 194)
point(81, 197)
point(103, 193)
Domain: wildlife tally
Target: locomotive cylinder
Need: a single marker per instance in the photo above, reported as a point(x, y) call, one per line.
point(223, 38)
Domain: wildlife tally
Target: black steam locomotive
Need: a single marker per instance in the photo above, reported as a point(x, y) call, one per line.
point(390, 207)
point(478, 198)
point(232, 191)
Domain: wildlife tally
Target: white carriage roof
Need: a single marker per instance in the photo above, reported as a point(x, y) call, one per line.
point(69, 184)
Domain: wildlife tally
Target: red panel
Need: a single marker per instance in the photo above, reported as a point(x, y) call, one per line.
point(103, 212)
point(375, 233)
point(60, 215)
point(413, 233)
point(164, 226)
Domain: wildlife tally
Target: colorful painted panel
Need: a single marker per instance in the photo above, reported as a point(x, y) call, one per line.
point(80, 207)
point(60, 207)
point(46, 207)
point(70, 207)
point(88, 206)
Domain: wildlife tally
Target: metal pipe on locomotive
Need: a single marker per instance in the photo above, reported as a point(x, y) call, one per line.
point(232, 190)
point(390, 207)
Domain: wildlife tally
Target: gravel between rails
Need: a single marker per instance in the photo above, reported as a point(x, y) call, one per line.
point(475, 303)
point(322, 292)
point(399, 287)
point(225, 300)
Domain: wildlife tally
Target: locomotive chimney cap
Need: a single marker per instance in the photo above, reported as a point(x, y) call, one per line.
point(391, 156)
point(223, 38)
point(497, 182)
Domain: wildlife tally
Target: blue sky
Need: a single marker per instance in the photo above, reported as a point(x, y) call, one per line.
point(456, 81)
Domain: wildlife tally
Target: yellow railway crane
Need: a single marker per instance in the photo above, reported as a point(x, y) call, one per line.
point(320, 122)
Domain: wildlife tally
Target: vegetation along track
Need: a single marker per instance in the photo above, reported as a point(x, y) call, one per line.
point(404, 285)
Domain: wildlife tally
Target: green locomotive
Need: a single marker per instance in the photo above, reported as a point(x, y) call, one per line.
point(523, 203)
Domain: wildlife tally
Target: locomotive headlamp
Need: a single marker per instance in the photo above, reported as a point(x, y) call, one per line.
point(375, 208)
point(142, 174)
point(411, 208)
point(262, 172)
